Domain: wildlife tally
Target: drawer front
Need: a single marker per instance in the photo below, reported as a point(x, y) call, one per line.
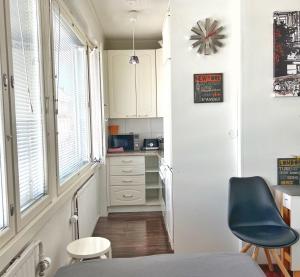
point(126, 196)
point(127, 180)
point(118, 170)
point(127, 160)
point(286, 201)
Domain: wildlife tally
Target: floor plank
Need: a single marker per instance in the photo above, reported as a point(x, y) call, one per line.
point(134, 234)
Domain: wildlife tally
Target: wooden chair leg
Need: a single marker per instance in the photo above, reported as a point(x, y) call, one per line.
point(279, 263)
point(255, 253)
point(246, 247)
point(269, 259)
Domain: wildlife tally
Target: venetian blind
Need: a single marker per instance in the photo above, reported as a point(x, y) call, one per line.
point(96, 108)
point(28, 94)
point(72, 98)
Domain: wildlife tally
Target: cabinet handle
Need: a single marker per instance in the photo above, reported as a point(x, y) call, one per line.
point(127, 195)
point(127, 181)
point(126, 161)
point(127, 171)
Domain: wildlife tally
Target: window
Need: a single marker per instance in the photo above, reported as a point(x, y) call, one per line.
point(72, 117)
point(28, 95)
point(96, 110)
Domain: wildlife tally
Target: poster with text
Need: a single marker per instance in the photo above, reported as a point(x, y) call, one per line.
point(286, 53)
point(287, 171)
point(208, 88)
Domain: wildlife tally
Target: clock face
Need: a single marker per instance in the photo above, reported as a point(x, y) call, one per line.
point(207, 36)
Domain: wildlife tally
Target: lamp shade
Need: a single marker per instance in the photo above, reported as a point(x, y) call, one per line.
point(134, 60)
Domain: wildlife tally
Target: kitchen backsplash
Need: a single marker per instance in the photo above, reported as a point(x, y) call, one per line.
point(146, 128)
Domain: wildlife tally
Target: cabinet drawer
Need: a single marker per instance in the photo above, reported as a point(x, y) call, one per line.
point(127, 180)
point(286, 201)
point(127, 195)
point(127, 160)
point(118, 170)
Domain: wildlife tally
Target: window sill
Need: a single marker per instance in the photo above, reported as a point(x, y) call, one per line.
point(12, 247)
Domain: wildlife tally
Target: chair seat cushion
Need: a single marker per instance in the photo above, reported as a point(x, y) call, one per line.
point(269, 236)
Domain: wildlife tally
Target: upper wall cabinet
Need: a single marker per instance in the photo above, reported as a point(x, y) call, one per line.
point(121, 83)
point(132, 88)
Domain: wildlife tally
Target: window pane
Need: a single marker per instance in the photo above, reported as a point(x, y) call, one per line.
point(96, 110)
point(28, 101)
point(72, 98)
point(3, 184)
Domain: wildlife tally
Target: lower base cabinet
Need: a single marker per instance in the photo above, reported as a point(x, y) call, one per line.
point(134, 181)
point(127, 195)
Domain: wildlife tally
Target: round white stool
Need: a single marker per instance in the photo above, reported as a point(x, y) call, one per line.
point(89, 248)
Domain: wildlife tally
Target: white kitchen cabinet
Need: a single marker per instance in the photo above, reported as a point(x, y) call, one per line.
point(160, 84)
point(127, 181)
point(121, 83)
point(132, 88)
point(146, 84)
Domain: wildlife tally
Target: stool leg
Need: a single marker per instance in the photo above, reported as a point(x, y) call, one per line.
point(279, 263)
point(255, 253)
point(109, 253)
point(269, 259)
point(246, 247)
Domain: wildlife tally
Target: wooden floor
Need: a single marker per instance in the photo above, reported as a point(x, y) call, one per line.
point(140, 234)
point(134, 234)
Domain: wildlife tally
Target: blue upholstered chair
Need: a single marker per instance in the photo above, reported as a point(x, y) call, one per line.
point(254, 218)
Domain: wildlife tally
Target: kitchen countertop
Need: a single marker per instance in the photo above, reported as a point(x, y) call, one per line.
point(293, 190)
point(158, 153)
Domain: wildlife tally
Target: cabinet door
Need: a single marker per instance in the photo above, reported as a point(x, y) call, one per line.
point(146, 84)
point(160, 83)
point(121, 82)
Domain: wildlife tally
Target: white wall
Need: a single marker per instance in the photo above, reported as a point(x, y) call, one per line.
point(270, 126)
point(204, 152)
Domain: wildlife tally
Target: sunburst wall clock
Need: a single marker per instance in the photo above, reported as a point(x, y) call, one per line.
point(208, 36)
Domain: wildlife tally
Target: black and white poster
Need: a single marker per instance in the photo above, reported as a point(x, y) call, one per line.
point(286, 53)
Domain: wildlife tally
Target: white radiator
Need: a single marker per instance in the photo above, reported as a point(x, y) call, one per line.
point(86, 203)
point(29, 263)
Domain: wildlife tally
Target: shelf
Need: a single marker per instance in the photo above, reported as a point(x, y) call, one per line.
point(153, 202)
point(151, 170)
point(153, 186)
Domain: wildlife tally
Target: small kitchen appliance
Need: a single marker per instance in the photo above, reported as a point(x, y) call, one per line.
point(151, 144)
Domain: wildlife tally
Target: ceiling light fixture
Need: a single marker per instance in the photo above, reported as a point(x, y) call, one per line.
point(133, 18)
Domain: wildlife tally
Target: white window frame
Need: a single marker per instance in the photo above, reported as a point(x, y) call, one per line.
point(69, 20)
point(9, 232)
point(101, 108)
point(23, 218)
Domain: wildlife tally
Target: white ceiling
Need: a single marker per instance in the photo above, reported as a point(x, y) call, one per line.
point(114, 17)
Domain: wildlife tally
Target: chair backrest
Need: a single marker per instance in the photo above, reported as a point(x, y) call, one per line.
point(251, 203)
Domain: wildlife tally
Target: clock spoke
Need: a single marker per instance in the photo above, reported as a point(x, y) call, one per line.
point(213, 46)
point(213, 26)
point(202, 27)
point(197, 37)
point(197, 31)
point(198, 42)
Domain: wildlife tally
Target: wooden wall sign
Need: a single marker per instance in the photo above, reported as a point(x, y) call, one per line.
point(288, 171)
point(208, 88)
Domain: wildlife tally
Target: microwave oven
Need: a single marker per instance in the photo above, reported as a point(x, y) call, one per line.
point(125, 141)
